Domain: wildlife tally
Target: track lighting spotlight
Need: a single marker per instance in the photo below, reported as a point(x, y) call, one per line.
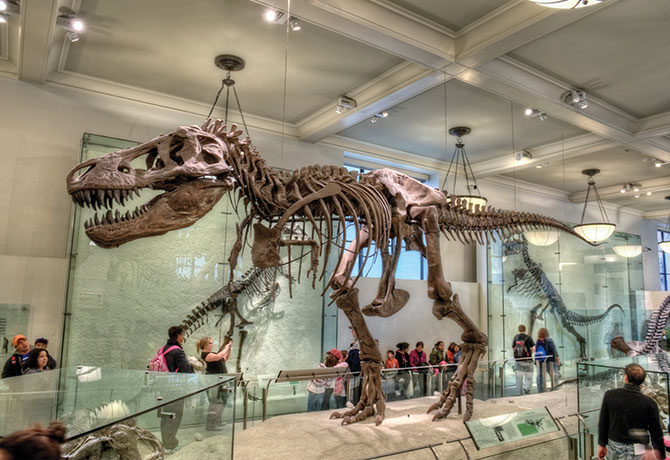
point(345, 103)
point(295, 24)
point(530, 112)
point(73, 26)
point(522, 155)
point(659, 163)
point(379, 115)
point(8, 8)
point(274, 16)
point(576, 98)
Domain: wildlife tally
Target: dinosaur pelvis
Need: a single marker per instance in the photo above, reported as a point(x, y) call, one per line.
point(265, 250)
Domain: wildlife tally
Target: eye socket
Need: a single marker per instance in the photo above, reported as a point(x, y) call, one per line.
point(124, 169)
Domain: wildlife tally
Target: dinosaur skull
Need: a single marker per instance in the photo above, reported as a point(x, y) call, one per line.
point(189, 165)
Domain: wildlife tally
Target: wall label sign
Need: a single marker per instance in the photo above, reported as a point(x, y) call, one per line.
point(501, 429)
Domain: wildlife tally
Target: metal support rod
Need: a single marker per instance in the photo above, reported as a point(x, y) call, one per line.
point(245, 405)
point(465, 449)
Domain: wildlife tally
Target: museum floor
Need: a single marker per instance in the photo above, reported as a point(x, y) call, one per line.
point(314, 436)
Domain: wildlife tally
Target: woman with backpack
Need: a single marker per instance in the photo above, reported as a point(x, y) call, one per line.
point(546, 356)
point(216, 364)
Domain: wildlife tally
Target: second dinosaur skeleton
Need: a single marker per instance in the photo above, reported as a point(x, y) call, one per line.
point(531, 281)
point(655, 330)
point(195, 166)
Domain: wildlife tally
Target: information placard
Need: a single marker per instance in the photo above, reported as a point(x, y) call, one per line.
point(501, 429)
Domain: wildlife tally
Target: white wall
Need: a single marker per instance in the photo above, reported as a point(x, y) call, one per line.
point(415, 321)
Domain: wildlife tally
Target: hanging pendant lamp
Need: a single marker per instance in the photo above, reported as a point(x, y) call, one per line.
point(665, 245)
point(473, 195)
point(541, 237)
point(594, 232)
point(628, 250)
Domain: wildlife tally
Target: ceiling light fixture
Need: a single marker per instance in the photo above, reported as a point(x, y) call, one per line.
point(274, 16)
point(659, 163)
point(229, 63)
point(522, 155)
point(566, 4)
point(576, 98)
point(533, 113)
point(73, 26)
point(628, 250)
point(461, 156)
point(541, 237)
point(295, 24)
point(379, 115)
point(648, 193)
point(595, 232)
point(345, 103)
point(8, 8)
point(665, 245)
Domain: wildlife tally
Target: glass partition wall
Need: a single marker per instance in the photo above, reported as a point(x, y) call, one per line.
point(588, 296)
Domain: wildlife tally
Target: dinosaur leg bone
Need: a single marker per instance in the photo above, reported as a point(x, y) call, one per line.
point(340, 278)
point(372, 396)
point(389, 300)
point(470, 354)
point(447, 304)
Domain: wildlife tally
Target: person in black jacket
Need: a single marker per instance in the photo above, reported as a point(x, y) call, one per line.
point(628, 417)
point(403, 378)
point(14, 365)
point(522, 346)
point(171, 414)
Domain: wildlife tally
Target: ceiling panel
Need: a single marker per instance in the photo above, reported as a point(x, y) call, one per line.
point(417, 125)
point(644, 203)
point(617, 166)
point(619, 54)
point(150, 45)
point(452, 14)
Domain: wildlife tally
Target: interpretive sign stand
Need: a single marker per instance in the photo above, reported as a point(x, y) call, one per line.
point(501, 429)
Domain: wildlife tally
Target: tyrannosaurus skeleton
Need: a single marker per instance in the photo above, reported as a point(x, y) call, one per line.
point(195, 166)
point(531, 281)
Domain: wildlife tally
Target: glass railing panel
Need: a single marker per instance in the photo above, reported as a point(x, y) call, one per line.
point(105, 395)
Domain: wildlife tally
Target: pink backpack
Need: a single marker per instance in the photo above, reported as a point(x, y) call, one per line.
point(158, 363)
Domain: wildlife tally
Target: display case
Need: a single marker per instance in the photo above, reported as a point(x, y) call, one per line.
point(136, 409)
point(583, 295)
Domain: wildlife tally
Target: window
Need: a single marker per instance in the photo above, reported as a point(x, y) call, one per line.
point(664, 261)
point(411, 264)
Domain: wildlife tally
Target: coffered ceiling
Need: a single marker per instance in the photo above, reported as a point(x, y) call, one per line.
point(494, 58)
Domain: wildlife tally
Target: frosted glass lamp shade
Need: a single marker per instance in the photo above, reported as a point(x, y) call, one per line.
point(665, 246)
point(628, 250)
point(474, 199)
point(541, 237)
point(566, 4)
point(595, 233)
